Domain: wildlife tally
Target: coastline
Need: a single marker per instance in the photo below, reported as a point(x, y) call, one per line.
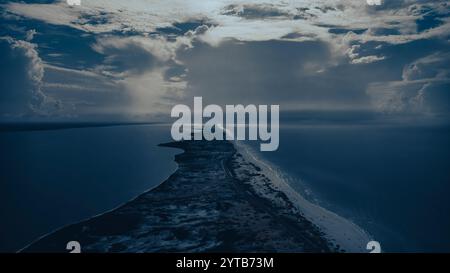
point(339, 230)
point(23, 249)
point(218, 200)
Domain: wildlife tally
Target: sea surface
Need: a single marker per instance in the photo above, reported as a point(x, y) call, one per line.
point(392, 181)
point(52, 178)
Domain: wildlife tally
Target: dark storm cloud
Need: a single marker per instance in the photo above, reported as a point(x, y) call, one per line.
point(300, 75)
point(277, 72)
point(130, 57)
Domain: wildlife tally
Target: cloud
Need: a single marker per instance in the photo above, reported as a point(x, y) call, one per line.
point(137, 54)
point(22, 73)
point(342, 23)
point(424, 88)
point(355, 57)
point(136, 58)
point(146, 68)
point(102, 77)
point(30, 35)
point(95, 94)
point(277, 19)
point(151, 93)
point(434, 66)
point(257, 11)
point(368, 59)
point(295, 75)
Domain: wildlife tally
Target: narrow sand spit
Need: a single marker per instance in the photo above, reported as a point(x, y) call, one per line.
point(218, 200)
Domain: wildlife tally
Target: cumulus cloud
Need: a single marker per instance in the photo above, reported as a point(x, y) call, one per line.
point(277, 19)
point(341, 23)
point(139, 57)
point(145, 68)
point(424, 88)
point(22, 77)
point(367, 59)
point(135, 54)
point(30, 35)
point(355, 57)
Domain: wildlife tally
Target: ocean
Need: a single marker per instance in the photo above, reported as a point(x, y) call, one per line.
point(53, 178)
point(392, 181)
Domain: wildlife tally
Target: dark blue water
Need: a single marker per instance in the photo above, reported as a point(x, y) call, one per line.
point(392, 181)
point(52, 178)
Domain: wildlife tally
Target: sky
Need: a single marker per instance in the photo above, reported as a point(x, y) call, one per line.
point(114, 60)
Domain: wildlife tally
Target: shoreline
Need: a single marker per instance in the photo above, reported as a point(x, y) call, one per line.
point(209, 204)
point(94, 216)
point(343, 232)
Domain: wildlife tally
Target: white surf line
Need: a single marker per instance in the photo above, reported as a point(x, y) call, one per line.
point(349, 236)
